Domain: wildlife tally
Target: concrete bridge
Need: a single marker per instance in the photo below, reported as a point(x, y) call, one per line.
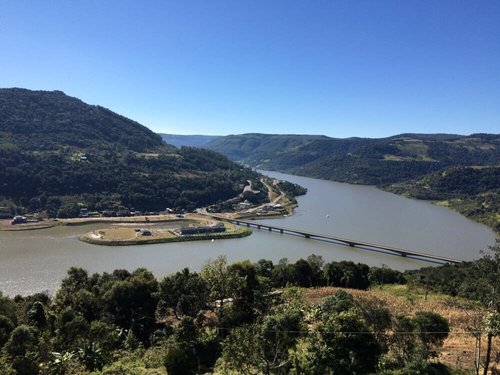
point(343, 241)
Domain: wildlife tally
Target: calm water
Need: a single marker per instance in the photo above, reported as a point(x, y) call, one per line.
point(33, 261)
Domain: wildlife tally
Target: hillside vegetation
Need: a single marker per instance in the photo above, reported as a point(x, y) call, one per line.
point(460, 170)
point(257, 318)
point(58, 154)
point(472, 191)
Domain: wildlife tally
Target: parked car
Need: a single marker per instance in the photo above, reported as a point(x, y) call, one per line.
point(18, 220)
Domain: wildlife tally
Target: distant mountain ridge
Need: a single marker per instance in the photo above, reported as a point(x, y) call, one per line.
point(360, 160)
point(58, 154)
point(460, 171)
point(194, 140)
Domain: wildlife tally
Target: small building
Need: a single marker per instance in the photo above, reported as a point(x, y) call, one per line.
point(243, 205)
point(219, 228)
point(84, 212)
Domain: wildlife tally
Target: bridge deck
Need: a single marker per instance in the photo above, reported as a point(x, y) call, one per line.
point(350, 242)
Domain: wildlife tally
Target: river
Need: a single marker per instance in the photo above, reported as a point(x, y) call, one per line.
point(34, 261)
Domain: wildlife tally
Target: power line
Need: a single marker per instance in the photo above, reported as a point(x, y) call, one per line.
point(332, 331)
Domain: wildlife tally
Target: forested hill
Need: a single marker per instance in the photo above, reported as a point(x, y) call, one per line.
point(360, 160)
point(58, 154)
point(461, 171)
point(49, 120)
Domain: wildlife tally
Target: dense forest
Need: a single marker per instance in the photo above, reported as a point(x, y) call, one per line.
point(460, 170)
point(241, 318)
point(58, 154)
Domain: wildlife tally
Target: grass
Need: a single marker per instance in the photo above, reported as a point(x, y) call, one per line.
point(122, 236)
point(458, 349)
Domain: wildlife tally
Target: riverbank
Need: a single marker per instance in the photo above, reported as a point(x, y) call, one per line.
point(148, 220)
point(482, 208)
point(125, 235)
point(5, 225)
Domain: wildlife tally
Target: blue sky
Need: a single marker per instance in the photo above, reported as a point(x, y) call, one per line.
point(340, 68)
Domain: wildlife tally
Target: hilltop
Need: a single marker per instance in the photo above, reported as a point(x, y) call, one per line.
point(51, 120)
point(460, 171)
point(58, 154)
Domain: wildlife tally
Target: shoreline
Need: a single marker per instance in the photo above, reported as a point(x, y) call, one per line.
point(144, 220)
point(29, 226)
point(127, 235)
point(215, 236)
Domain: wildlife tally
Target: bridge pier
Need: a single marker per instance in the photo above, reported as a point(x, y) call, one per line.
point(347, 242)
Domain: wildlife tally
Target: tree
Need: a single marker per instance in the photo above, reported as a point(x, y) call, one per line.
point(241, 352)
point(6, 327)
point(178, 360)
point(377, 316)
point(403, 341)
point(432, 329)
point(302, 273)
point(37, 315)
point(184, 292)
point(490, 266)
point(265, 268)
point(22, 340)
point(265, 348)
point(249, 296)
point(279, 333)
point(316, 262)
point(76, 280)
point(131, 304)
point(492, 329)
point(220, 282)
point(333, 273)
point(349, 346)
point(21, 348)
point(338, 302)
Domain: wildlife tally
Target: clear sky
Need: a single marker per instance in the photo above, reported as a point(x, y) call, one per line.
point(342, 68)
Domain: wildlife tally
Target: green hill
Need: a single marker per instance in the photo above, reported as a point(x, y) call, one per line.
point(50, 120)
point(444, 167)
point(59, 154)
point(360, 160)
